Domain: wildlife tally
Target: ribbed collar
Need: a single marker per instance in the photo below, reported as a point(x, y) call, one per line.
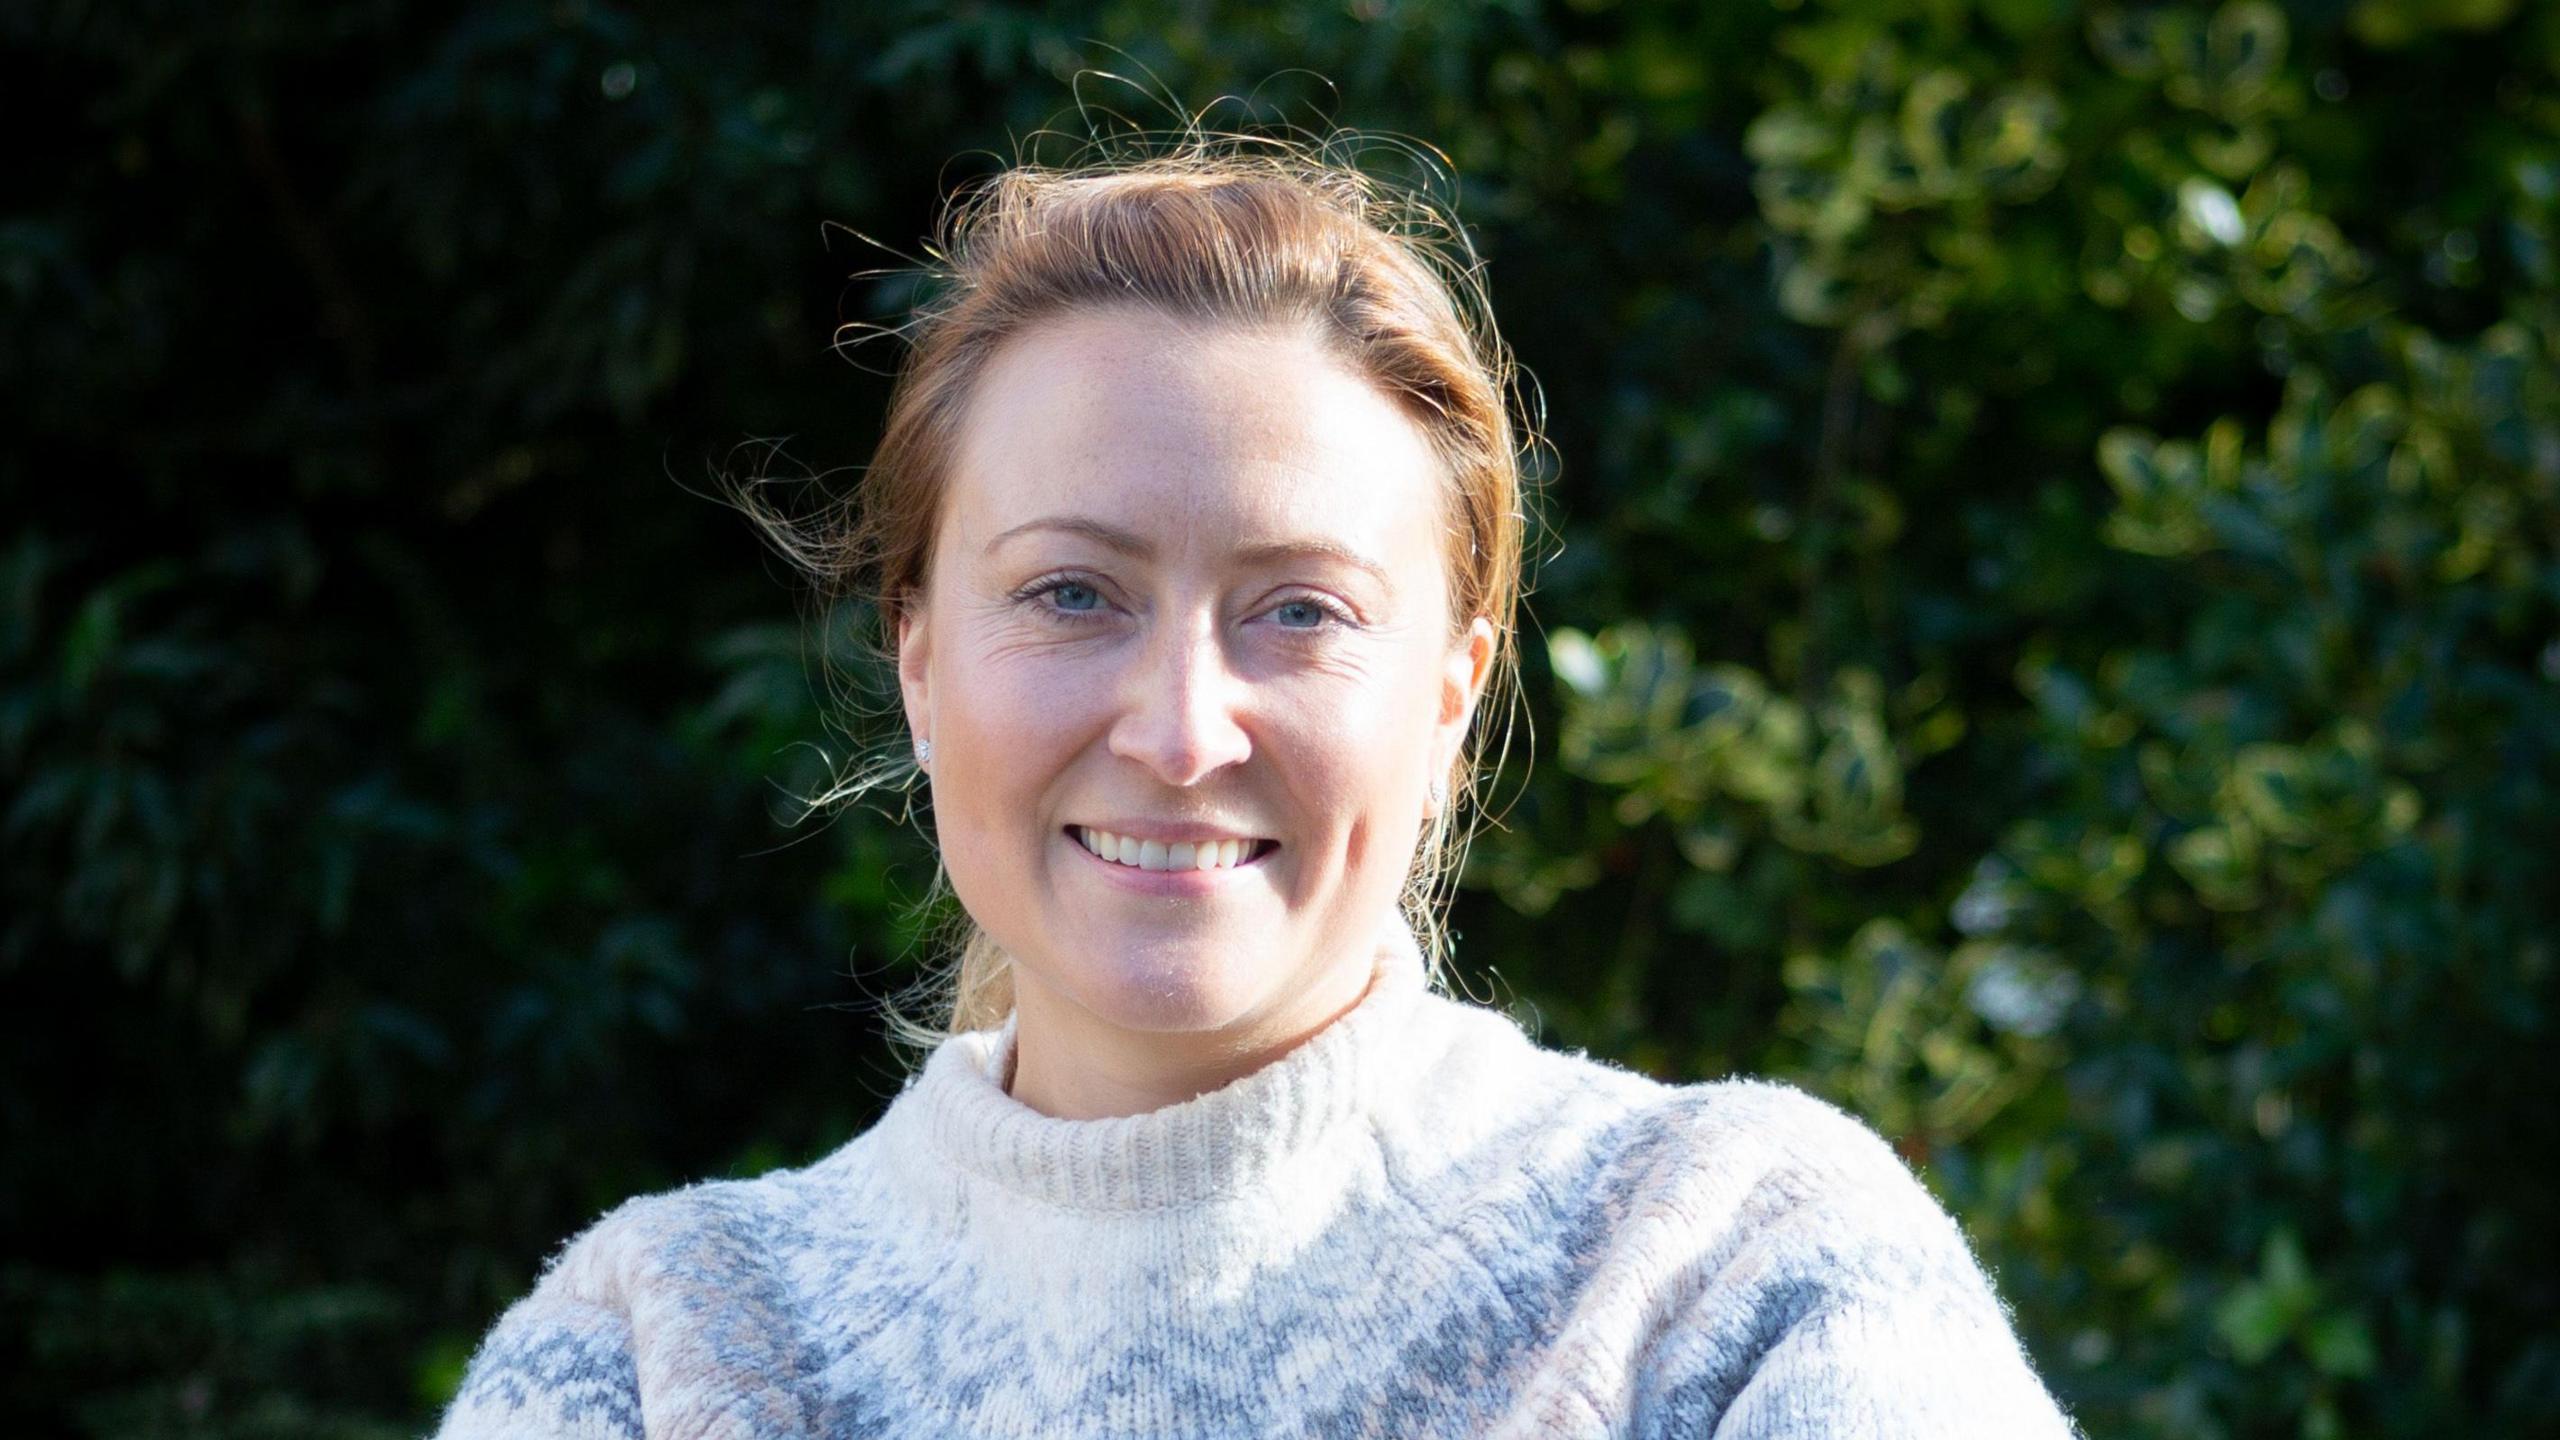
point(1222, 1143)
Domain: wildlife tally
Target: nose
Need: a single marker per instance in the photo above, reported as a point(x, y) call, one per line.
point(1179, 706)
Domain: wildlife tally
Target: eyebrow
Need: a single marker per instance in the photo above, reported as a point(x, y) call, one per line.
point(1132, 544)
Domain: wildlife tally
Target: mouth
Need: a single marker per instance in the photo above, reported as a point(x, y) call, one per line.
point(1230, 853)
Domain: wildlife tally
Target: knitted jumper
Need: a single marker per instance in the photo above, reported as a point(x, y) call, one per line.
point(1417, 1223)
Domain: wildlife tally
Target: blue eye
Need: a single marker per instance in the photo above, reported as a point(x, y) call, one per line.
point(1301, 614)
point(1062, 597)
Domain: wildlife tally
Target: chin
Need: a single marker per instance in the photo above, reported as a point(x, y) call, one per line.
point(1166, 985)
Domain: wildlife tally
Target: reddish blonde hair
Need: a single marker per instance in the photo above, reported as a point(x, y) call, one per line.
point(1252, 232)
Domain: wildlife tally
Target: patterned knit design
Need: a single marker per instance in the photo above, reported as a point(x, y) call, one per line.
point(1416, 1224)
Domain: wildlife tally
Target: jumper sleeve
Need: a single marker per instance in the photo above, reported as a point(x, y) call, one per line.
point(560, 1364)
point(549, 1370)
point(1841, 1301)
point(1896, 1367)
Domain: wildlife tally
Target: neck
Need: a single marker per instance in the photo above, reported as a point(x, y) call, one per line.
point(1070, 1064)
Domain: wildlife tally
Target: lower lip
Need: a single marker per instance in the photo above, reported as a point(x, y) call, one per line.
point(1169, 882)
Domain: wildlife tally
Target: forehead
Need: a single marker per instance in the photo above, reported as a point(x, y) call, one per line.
point(1197, 435)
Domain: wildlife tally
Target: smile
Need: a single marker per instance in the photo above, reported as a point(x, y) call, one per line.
point(1179, 855)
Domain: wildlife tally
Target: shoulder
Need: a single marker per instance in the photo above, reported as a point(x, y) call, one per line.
point(707, 1232)
point(1710, 1147)
point(1741, 1124)
point(1793, 1145)
point(558, 1361)
point(1808, 1271)
point(1803, 1185)
point(608, 1262)
point(567, 1359)
point(1743, 1181)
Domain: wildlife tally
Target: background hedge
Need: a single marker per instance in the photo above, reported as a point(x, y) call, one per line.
point(2053, 640)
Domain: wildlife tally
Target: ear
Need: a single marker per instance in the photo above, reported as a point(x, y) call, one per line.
point(913, 673)
point(1463, 673)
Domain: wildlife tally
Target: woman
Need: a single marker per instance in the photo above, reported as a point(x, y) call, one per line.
point(1197, 529)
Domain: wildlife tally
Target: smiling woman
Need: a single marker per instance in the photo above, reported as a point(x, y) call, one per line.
point(1196, 524)
point(1225, 365)
point(1187, 593)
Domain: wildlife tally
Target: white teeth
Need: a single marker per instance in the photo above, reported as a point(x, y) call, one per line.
point(1157, 855)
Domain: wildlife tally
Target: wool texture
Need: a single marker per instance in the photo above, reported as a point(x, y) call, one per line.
point(1417, 1223)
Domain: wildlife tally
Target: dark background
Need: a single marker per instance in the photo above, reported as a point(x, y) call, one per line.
point(2051, 639)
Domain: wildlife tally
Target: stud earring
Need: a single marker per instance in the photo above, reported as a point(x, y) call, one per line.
point(924, 753)
point(1439, 795)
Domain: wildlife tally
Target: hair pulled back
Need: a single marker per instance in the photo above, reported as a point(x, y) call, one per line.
point(1247, 230)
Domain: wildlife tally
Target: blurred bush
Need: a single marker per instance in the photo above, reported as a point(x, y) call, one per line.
point(2052, 638)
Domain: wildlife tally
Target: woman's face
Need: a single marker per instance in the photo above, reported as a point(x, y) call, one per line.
point(1187, 604)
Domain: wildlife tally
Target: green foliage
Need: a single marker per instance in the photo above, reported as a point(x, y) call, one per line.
point(1717, 755)
point(2051, 638)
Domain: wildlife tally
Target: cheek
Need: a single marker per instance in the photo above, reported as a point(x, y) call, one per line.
point(1356, 756)
point(1010, 724)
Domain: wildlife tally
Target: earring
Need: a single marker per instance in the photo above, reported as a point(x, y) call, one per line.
point(1439, 794)
point(924, 753)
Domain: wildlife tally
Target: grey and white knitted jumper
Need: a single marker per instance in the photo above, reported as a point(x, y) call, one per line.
point(1416, 1224)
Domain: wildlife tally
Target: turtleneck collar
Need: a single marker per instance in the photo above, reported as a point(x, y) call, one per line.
point(1225, 1142)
